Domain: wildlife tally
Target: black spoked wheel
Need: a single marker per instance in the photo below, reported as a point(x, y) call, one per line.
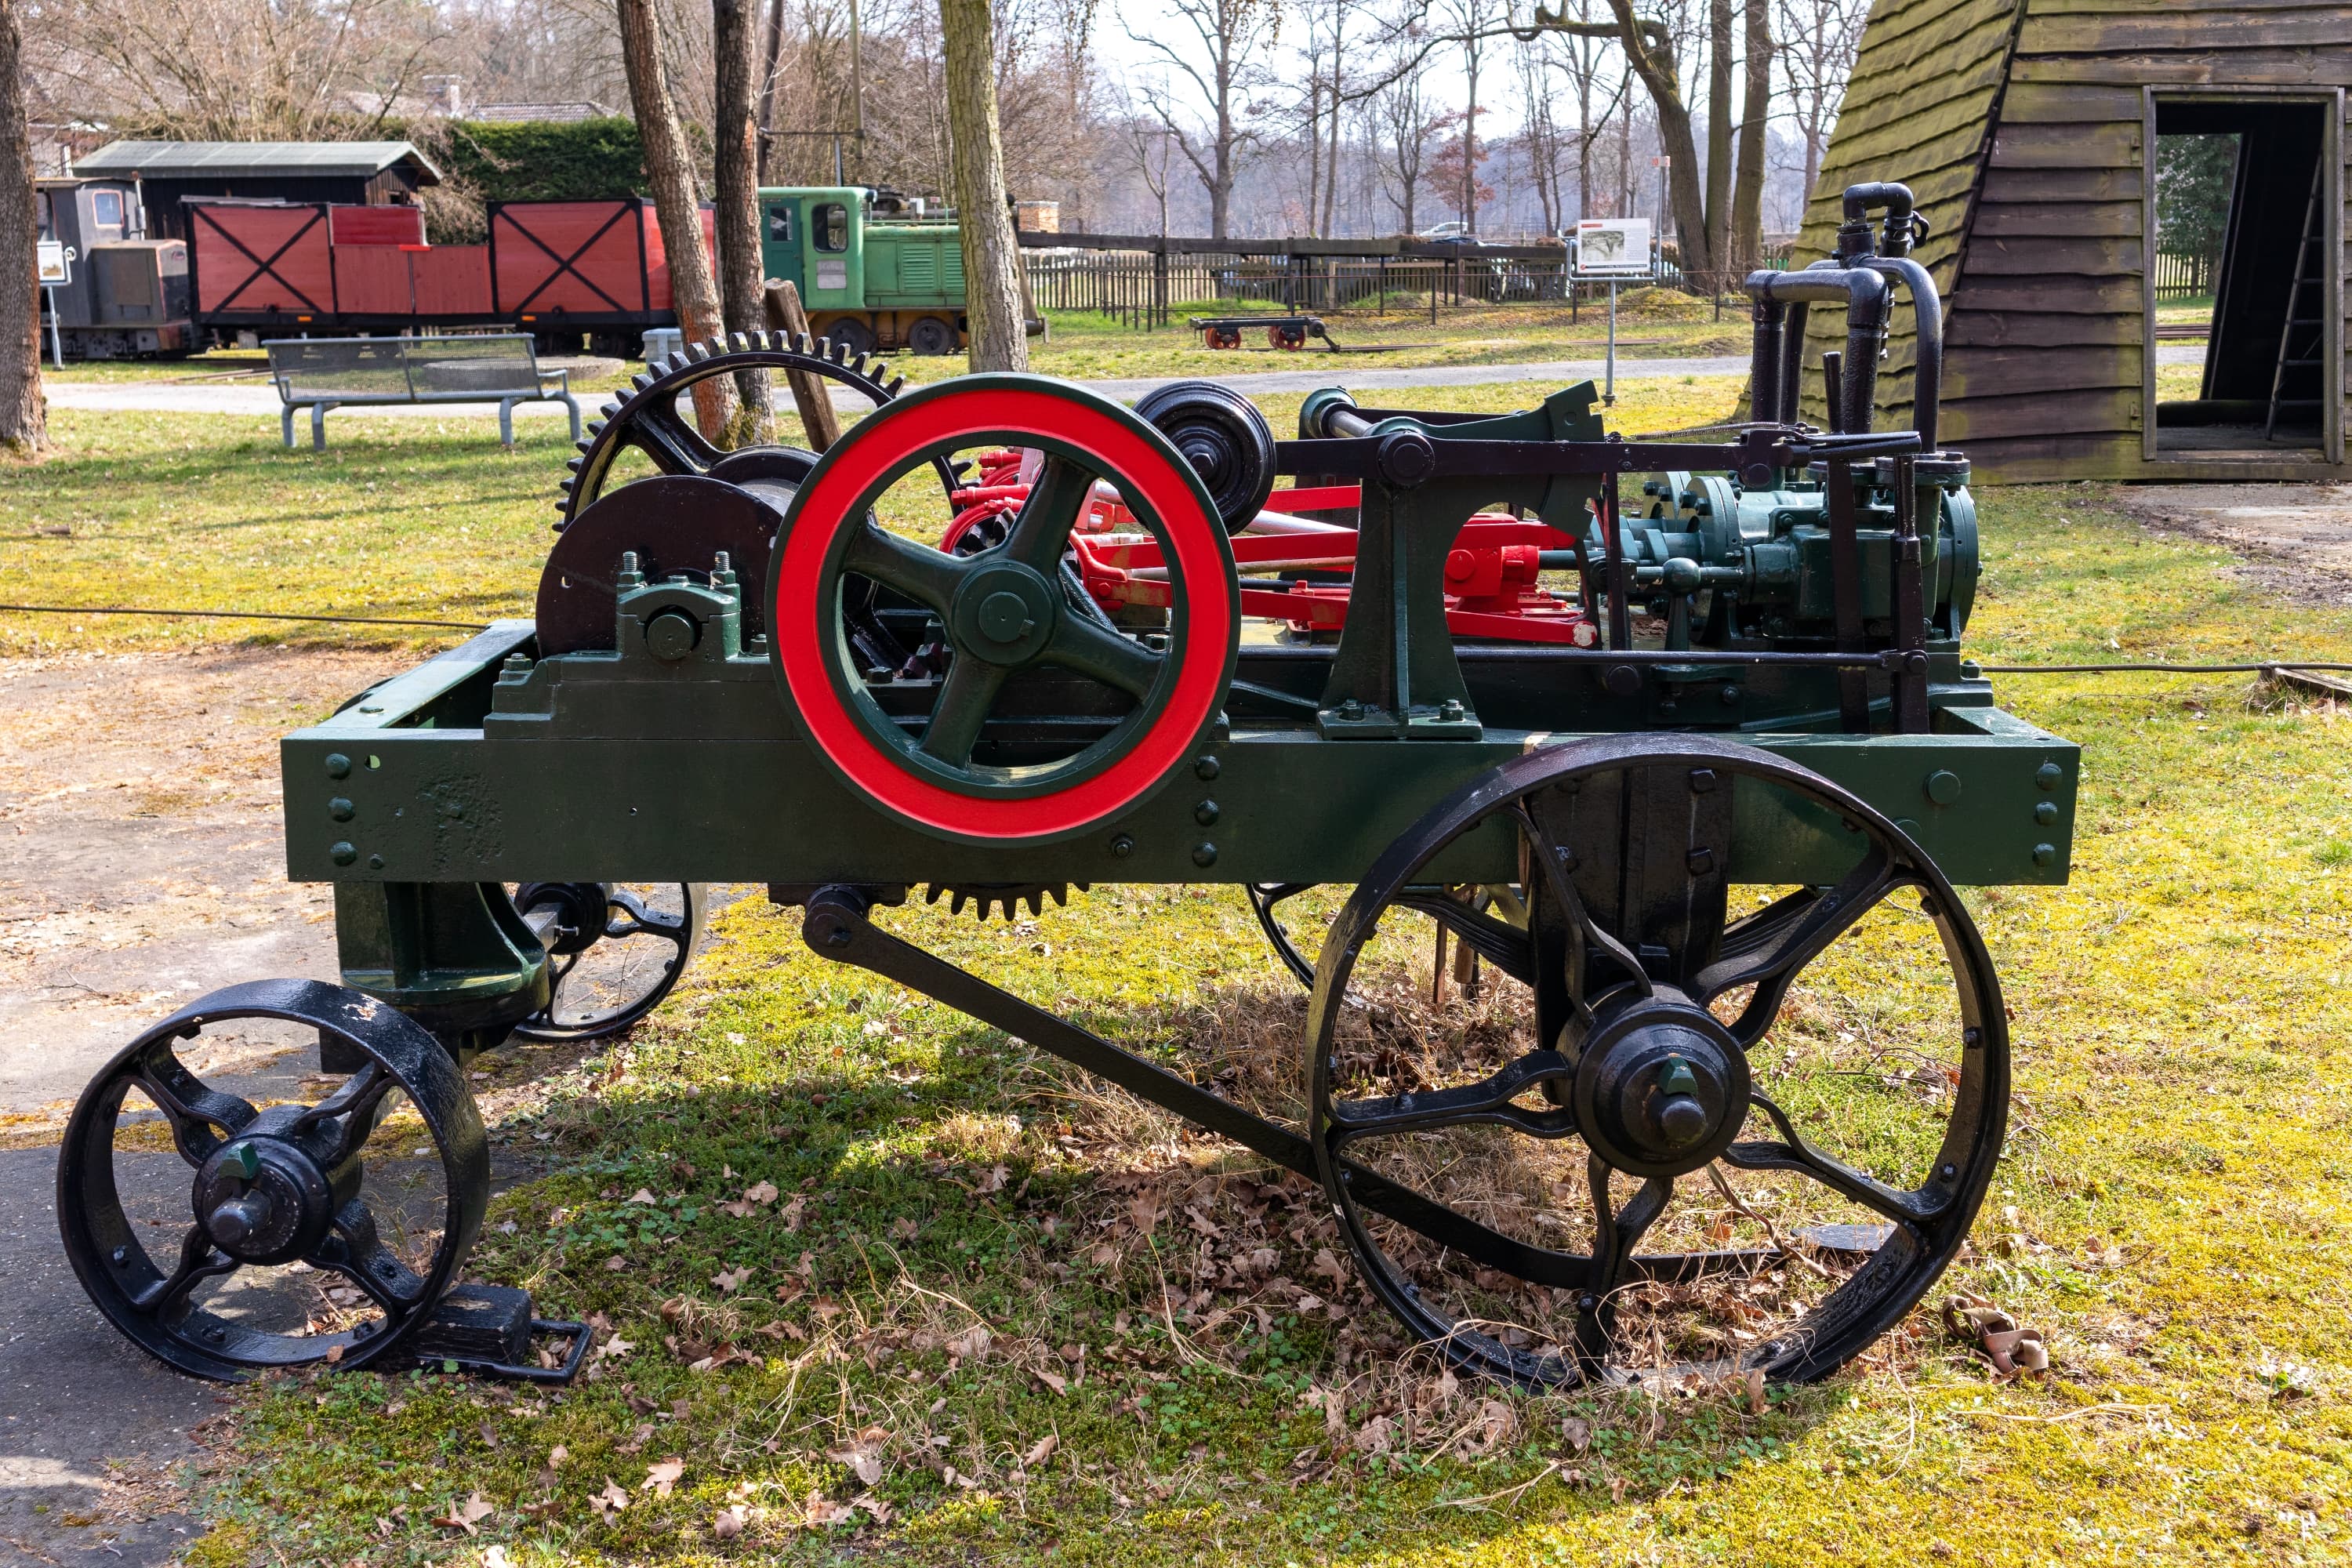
point(619, 948)
point(320, 1232)
point(1660, 1142)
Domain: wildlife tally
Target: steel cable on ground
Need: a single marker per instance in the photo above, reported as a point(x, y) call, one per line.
point(2264, 667)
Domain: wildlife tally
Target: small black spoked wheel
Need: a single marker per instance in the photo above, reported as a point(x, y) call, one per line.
point(320, 1232)
point(619, 948)
point(1659, 1141)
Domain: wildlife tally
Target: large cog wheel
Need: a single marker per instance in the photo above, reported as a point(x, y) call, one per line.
point(647, 418)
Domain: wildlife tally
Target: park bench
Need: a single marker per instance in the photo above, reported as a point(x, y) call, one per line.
point(329, 372)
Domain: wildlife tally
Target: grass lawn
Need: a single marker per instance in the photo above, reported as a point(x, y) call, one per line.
point(979, 1322)
point(1085, 345)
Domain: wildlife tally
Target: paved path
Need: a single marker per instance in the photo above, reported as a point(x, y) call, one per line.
point(1365, 373)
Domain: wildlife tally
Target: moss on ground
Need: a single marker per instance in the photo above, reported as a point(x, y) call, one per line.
point(961, 1307)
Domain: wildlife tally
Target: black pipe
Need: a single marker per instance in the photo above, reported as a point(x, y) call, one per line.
point(1792, 360)
point(1868, 298)
point(1833, 389)
point(1927, 314)
point(1764, 362)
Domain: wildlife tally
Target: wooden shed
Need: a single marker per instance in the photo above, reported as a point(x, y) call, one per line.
point(2030, 131)
point(173, 173)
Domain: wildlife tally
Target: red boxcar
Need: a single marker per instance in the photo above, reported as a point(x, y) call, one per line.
point(263, 267)
point(556, 269)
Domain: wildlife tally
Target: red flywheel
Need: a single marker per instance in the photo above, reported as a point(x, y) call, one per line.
point(986, 697)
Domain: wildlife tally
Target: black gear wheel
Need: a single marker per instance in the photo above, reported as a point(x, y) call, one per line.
point(986, 897)
point(647, 418)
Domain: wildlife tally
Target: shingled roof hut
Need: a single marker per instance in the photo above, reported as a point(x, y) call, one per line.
point(2028, 129)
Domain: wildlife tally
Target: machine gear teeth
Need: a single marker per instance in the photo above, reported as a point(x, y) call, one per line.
point(617, 421)
point(986, 897)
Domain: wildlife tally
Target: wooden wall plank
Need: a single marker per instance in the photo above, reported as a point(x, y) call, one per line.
point(2050, 296)
point(2109, 146)
point(1979, 374)
point(2142, 29)
point(2074, 185)
point(2047, 104)
point(2003, 219)
point(2039, 329)
point(2208, 66)
point(2042, 414)
point(2047, 255)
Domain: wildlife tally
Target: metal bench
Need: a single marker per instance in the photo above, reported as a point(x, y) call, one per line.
point(329, 372)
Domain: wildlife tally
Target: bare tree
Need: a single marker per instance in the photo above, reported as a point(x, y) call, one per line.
point(24, 413)
point(735, 202)
point(1818, 39)
point(1747, 251)
point(669, 169)
point(233, 70)
point(1231, 36)
point(992, 259)
point(1407, 121)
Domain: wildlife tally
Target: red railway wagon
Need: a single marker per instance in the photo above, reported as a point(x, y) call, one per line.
point(555, 268)
point(560, 268)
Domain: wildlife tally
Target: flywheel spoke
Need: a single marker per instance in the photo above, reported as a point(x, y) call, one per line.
point(961, 712)
point(1615, 1233)
point(675, 446)
point(1106, 655)
point(1041, 530)
point(1549, 855)
point(916, 569)
point(1490, 1099)
point(346, 1116)
point(1506, 947)
point(1793, 1153)
point(198, 1262)
point(191, 1107)
point(356, 1251)
point(636, 919)
point(1771, 951)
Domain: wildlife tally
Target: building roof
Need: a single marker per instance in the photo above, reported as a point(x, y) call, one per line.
point(247, 159)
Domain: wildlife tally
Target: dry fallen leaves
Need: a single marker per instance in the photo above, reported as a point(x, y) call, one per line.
point(729, 1522)
point(864, 1455)
point(1041, 1451)
point(465, 1515)
point(663, 1474)
point(730, 1280)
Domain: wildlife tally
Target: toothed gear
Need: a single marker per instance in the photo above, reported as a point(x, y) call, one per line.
point(986, 897)
point(646, 416)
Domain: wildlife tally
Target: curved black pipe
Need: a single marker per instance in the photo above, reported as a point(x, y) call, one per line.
point(1868, 298)
point(1928, 313)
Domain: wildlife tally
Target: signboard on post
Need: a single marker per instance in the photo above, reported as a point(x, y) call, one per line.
point(1613, 250)
point(1614, 247)
point(53, 268)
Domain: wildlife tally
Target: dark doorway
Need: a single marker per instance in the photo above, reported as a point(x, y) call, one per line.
point(2242, 222)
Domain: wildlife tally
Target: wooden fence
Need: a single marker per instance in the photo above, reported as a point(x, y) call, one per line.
point(2184, 277)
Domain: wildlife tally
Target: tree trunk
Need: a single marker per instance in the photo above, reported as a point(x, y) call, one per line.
point(775, 49)
point(1655, 66)
point(735, 196)
point(991, 256)
point(24, 412)
point(669, 169)
point(1748, 195)
point(1718, 141)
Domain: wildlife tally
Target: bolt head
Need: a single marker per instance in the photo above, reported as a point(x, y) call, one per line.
point(345, 853)
point(1121, 847)
point(1204, 855)
point(339, 766)
point(1205, 768)
point(1206, 814)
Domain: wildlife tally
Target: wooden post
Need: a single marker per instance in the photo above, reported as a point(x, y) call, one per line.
point(782, 302)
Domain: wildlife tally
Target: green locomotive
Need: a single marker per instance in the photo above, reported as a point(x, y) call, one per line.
point(872, 274)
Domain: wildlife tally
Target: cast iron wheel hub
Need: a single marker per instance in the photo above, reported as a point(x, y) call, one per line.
point(263, 1200)
point(1004, 613)
point(1661, 1088)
